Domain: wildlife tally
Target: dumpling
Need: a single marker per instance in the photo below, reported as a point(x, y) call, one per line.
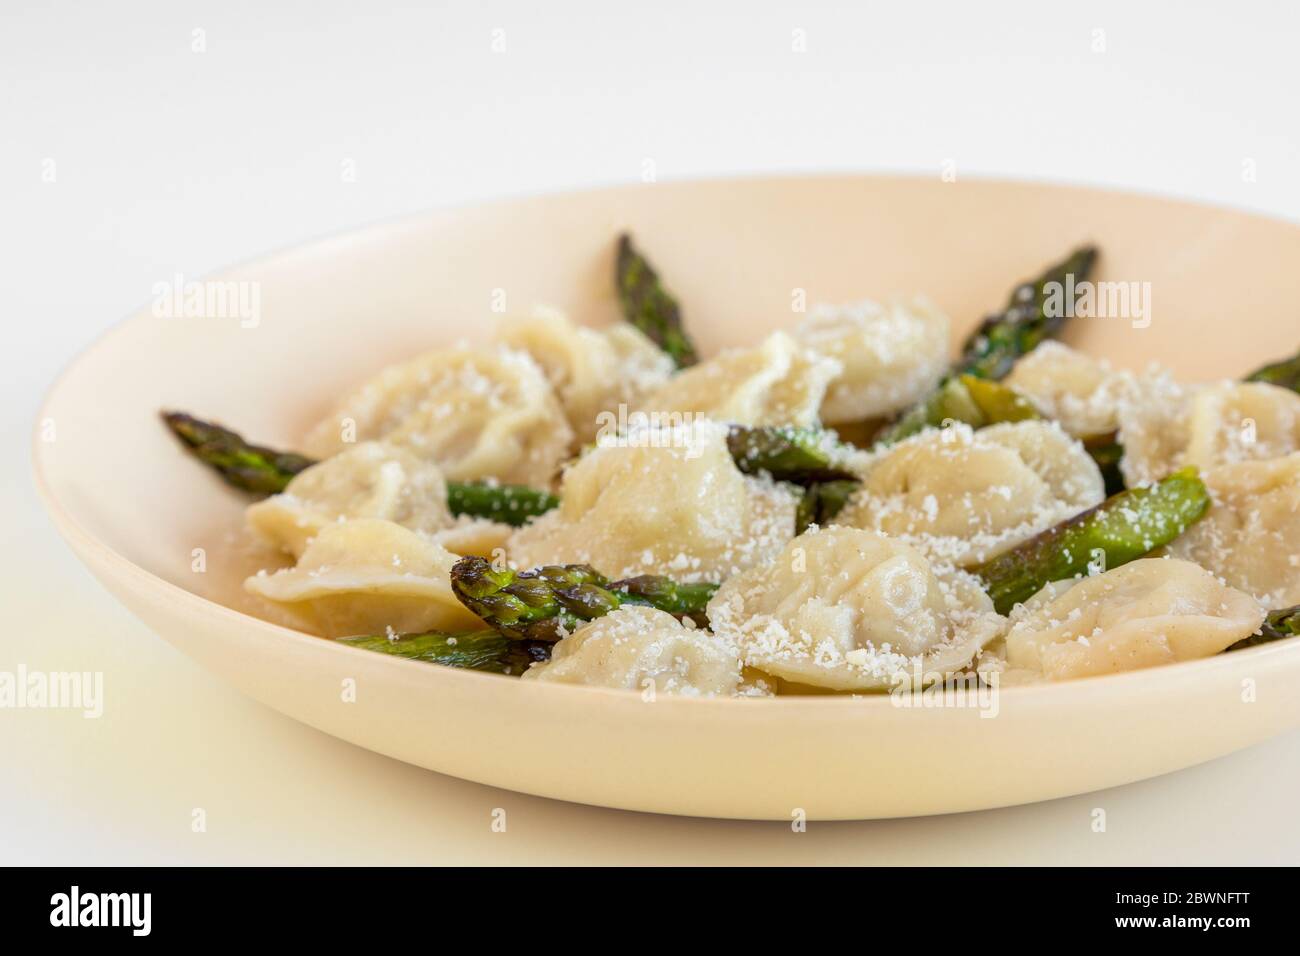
point(1080, 392)
point(847, 609)
point(891, 355)
point(1164, 426)
point(1149, 612)
point(477, 536)
point(1153, 418)
point(369, 480)
point(1242, 421)
point(962, 496)
point(593, 371)
point(777, 383)
point(476, 413)
point(1150, 412)
point(642, 647)
point(367, 576)
point(1250, 537)
point(372, 480)
point(660, 501)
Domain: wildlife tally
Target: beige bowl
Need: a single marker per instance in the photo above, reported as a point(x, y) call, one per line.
point(157, 529)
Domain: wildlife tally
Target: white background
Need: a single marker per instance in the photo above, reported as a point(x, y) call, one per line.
point(165, 159)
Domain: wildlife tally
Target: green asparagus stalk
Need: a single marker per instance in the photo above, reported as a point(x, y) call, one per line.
point(962, 398)
point(1035, 312)
point(547, 603)
point(1030, 317)
point(512, 504)
point(821, 502)
point(799, 455)
point(1122, 528)
point(1279, 624)
point(1285, 373)
point(474, 650)
point(247, 466)
point(648, 305)
point(262, 470)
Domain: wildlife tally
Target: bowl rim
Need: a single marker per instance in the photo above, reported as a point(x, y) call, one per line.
point(1046, 693)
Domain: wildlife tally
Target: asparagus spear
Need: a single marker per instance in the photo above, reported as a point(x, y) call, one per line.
point(1027, 320)
point(242, 464)
point(992, 349)
point(821, 502)
point(800, 455)
point(1279, 624)
point(1285, 373)
point(1123, 527)
point(266, 471)
point(548, 602)
point(961, 398)
point(648, 305)
point(512, 504)
point(474, 650)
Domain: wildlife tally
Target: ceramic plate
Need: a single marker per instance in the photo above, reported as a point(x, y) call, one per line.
point(157, 529)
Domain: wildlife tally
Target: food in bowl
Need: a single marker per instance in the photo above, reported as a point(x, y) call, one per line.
point(835, 509)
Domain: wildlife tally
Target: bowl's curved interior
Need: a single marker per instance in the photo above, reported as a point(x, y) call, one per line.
point(742, 256)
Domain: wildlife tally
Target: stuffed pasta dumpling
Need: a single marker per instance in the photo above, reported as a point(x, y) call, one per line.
point(367, 576)
point(1251, 535)
point(593, 371)
point(1242, 421)
point(777, 383)
point(847, 609)
point(660, 501)
point(1164, 425)
point(476, 413)
point(963, 496)
point(369, 480)
point(1080, 392)
point(891, 355)
point(639, 648)
point(1149, 612)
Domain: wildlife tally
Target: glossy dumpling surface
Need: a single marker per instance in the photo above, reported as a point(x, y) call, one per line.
point(962, 496)
point(890, 355)
point(777, 383)
point(1149, 612)
point(847, 609)
point(476, 413)
point(367, 576)
point(641, 648)
point(660, 501)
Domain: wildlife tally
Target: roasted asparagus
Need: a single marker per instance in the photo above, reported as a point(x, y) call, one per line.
point(649, 306)
point(547, 603)
point(1122, 528)
point(484, 650)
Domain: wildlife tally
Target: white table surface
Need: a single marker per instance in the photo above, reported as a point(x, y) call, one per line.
point(165, 158)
